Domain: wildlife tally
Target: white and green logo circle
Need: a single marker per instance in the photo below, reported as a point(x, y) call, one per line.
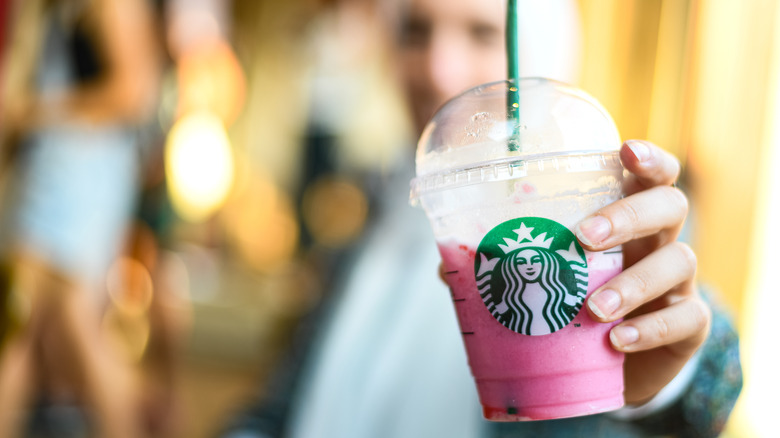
point(532, 275)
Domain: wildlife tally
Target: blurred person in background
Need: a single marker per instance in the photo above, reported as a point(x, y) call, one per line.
point(387, 359)
point(79, 77)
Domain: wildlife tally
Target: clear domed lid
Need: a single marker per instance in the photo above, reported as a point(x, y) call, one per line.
point(473, 130)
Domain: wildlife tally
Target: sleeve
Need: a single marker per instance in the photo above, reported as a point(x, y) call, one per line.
point(704, 407)
point(699, 409)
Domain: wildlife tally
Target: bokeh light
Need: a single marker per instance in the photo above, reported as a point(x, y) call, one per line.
point(211, 78)
point(334, 211)
point(199, 165)
point(129, 286)
point(127, 322)
point(260, 222)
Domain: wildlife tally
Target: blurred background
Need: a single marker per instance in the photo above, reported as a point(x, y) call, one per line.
point(272, 122)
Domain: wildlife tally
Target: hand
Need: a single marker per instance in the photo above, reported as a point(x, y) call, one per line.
point(666, 320)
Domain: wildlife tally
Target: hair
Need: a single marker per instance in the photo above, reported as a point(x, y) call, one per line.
point(550, 281)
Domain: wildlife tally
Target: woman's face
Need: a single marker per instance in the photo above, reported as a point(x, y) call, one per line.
point(529, 264)
point(448, 46)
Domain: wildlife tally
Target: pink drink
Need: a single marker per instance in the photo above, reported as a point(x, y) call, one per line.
point(573, 371)
point(502, 196)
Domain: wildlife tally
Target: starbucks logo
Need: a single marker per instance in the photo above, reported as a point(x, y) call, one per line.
point(532, 275)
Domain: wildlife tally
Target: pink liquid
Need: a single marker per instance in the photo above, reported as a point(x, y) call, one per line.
point(571, 372)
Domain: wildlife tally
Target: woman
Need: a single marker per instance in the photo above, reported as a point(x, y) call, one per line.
point(80, 76)
point(534, 292)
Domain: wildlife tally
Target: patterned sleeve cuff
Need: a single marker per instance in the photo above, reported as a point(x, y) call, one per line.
point(705, 405)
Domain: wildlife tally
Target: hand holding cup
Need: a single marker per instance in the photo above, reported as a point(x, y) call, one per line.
point(666, 320)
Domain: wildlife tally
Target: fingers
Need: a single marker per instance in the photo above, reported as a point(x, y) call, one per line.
point(649, 166)
point(648, 279)
point(685, 318)
point(685, 321)
point(645, 213)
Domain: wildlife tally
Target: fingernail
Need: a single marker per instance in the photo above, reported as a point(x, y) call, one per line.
point(604, 303)
point(640, 150)
point(623, 336)
point(593, 230)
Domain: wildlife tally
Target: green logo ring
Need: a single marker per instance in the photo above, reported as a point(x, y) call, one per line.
point(532, 275)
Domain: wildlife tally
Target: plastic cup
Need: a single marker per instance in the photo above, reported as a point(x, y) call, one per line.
point(503, 197)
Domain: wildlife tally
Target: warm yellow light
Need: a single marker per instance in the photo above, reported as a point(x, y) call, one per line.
point(334, 211)
point(126, 323)
point(261, 223)
point(129, 286)
point(199, 166)
point(753, 416)
point(211, 78)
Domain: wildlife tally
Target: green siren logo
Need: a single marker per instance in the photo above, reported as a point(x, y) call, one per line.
point(532, 275)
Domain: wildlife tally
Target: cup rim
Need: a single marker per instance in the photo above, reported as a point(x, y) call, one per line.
point(511, 168)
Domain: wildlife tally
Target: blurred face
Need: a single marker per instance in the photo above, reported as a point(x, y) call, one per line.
point(448, 46)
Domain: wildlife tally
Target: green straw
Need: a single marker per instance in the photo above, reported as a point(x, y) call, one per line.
point(513, 67)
